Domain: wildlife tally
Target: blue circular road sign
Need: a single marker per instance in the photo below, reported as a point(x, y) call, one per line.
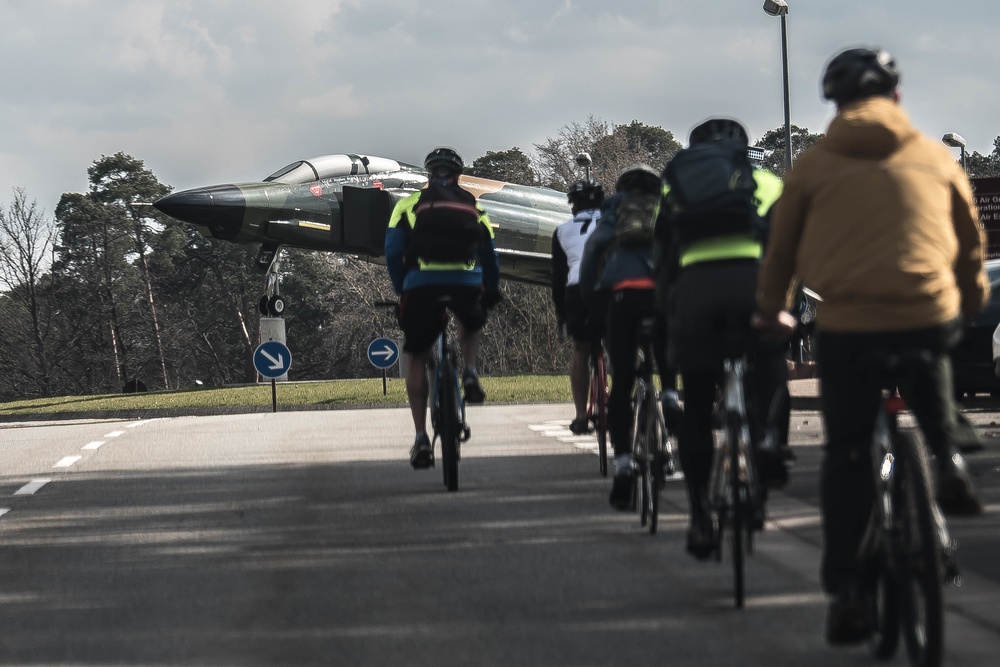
point(383, 352)
point(272, 359)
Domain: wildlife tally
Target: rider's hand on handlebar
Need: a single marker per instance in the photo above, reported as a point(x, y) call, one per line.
point(780, 326)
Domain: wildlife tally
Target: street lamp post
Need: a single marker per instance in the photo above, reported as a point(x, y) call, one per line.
point(779, 8)
point(583, 160)
point(956, 140)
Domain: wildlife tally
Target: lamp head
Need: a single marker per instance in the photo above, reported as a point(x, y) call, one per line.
point(776, 7)
point(583, 160)
point(954, 140)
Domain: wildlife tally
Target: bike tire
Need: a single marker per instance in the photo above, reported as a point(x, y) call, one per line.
point(885, 616)
point(654, 460)
point(740, 513)
point(638, 436)
point(599, 397)
point(918, 554)
point(450, 431)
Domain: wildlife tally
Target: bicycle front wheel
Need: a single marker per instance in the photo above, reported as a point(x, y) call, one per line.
point(919, 555)
point(740, 512)
point(450, 431)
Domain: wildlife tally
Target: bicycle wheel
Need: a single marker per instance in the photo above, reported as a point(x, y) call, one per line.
point(919, 555)
point(599, 409)
point(639, 448)
point(448, 398)
point(654, 458)
point(885, 615)
point(740, 510)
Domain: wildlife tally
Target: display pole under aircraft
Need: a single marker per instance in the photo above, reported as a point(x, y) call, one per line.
point(342, 203)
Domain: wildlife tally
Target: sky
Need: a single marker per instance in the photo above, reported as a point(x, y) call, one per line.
point(221, 91)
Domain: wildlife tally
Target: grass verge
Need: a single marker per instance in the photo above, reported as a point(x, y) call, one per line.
point(289, 395)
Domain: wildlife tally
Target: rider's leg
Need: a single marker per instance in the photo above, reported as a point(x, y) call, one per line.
point(416, 390)
point(579, 377)
point(695, 447)
point(471, 318)
point(850, 404)
point(621, 347)
point(928, 393)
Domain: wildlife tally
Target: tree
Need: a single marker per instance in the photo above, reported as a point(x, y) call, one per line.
point(120, 182)
point(773, 143)
point(982, 166)
point(510, 166)
point(26, 244)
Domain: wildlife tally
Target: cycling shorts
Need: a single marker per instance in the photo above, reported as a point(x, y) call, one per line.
point(422, 314)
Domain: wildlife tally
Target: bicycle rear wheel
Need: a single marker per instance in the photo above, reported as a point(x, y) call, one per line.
point(885, 615)
point(450, 431)
point(740, 511)
point(640, 443)
point(919, 555)
point(654, 459)
point(599, 408)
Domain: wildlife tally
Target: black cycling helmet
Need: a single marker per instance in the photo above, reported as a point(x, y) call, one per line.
point(719, 129)
point(639, 178)
point(585, 194)
point(444, 159)
point(858, 73)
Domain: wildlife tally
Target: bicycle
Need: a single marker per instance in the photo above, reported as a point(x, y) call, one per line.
point(652, 451)
point(906, 552)
point(447, 403)
point(597, 403)
point(735, 492)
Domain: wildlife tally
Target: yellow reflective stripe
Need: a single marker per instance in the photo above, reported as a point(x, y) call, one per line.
point(453, 266)
point(722, 247)
point(403, 209)
point(768, 190)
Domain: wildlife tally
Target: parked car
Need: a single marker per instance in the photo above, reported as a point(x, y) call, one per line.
point(975, 369)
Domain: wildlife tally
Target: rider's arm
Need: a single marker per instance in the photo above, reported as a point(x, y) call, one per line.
point(487, 257)
point(778, 266)
point(560, 274)
point(397, 237)
point(969, 265)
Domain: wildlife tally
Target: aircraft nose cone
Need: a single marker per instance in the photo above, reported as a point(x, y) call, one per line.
point(220, 208)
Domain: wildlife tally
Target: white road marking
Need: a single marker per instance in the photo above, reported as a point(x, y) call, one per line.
point(4, 510)
point(32, 487)
point(67, 461)
point(96, 444)
point(114, 434)
point(138, 423)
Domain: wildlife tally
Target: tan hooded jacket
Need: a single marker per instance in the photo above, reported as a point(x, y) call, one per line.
point(880, 221)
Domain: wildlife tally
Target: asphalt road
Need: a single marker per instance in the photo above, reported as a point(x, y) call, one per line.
point(306, 539)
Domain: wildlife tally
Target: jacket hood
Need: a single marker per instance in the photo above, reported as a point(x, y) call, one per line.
point(872, 128)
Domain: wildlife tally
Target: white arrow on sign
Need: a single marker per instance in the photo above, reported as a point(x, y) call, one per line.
point(276, 363)
point(386, 352)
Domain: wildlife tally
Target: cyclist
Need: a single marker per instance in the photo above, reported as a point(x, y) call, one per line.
point(627, 279)
point(880, 221)
point(709, 281)
point(585, 197)
point(440, 243)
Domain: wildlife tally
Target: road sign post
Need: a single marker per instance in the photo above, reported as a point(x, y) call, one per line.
point(383, 353)
point(272, 359)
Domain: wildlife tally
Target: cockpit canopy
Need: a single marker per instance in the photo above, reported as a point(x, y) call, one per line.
point(330, 166)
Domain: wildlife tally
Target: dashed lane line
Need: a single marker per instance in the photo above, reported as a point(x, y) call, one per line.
point(96, 444)
point(67, 461)
point(32, 487)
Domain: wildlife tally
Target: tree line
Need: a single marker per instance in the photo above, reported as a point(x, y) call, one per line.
point(108, 295)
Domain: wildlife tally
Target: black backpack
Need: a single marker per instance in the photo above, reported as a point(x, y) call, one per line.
point(712, 192)
point(635, 218)
point(446, 228)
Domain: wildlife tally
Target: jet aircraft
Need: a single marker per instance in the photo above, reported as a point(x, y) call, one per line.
point(342, 203)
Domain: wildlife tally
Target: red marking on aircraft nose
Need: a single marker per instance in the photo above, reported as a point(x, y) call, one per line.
point(316, 189)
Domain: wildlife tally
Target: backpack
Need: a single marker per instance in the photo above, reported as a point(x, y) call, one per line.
point(635, 218)
point(446, 228)
point(712, 192)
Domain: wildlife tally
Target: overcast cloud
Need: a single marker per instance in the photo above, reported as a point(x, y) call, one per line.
point(216, 91)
